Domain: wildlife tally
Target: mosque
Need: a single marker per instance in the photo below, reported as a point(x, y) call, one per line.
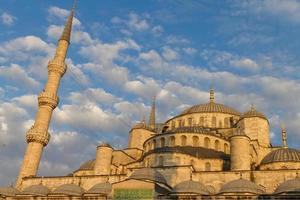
point(209, 151)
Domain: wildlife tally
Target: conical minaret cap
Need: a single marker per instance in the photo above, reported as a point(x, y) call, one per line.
point(66, 35)
point(152, 115)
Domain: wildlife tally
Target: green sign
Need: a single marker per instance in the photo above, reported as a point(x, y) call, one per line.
point(126, 194)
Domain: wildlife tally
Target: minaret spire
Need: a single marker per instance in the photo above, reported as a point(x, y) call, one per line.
point(212, 95)
point(283, 135)
point(152, 115)
point(38, 136)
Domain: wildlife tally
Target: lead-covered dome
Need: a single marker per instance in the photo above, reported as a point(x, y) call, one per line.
point(241, 186)
point(292, 185)
point(191, 187)
point(69, 189)
point(253, 113)
point(211, 107)
point(282, 155)
point(88, 165)
point(36, 190)
point(148, 174)
point(9, 191)
point(100, 188)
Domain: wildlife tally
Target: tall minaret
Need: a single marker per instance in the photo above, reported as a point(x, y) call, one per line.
point(38, 136)
point(152, 115)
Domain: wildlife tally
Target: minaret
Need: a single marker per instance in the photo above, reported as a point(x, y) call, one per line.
point(283, 135)
point(152, 115)
point(212, 95)
point(38, 136)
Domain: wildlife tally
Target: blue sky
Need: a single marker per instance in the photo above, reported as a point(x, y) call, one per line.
point(123, 53)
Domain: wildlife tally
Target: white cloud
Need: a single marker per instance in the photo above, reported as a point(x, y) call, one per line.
point(169, 54)
point(245, 63)
point(144, 87)
point(62, 14)
point(136, 23)
point(189, 50)
point(27, 100)
point(7, 19)
point(157, 30)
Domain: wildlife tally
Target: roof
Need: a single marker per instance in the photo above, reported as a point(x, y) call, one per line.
point(9, 191)
point(282, 155)
point(88, 165)
point(100, 188)
point(198, 152)
point(253, 113)
point(211, 107)
point(191, 187)
point(241, 186)
point(38, 190)
point(69, 189)
point(292, 185)
point(148, 174)
point(195, 129)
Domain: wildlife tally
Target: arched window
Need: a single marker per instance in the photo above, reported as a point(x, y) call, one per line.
point(207, 166)
point(213, 122)
point(154, 144)
point(201, 121)
point(183, 122)
point(173, 124)
point(179, 123)
point(220, 124)
point(183, 140)
point(206, 142)
point(217, 145)
point(172, 141)
point(195, 141)
point(190, 121)
point(226, 122)
point(160, 161)
point(162, 142)
point(226, 149)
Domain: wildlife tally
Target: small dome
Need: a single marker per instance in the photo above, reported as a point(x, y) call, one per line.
point(148, 174)
point(211, 108)
point(241, 186)
point(253, 113)
point(88, 165)
point(69, 189)
point(37, 190)
point(100, 188)
point(104, 144)
point(282, 155)
point(139, 125)
point(191, 187)
point(292, 185)
point(9, 191)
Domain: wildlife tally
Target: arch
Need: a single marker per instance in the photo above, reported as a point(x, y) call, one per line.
point(190, 121)
point(207, 166)
point(226, 148)
point(173, 124)
point(213, 122)
point(154, 143)
point(226, 122)
point(162, 142)
point(179, 123)
point(206, 142)
point(195, 141)
point(217, 145)
point(201, 121)
point(172, 141)
point(160, 161)
point(183, 140)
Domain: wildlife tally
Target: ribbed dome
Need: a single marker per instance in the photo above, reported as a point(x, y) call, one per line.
point(211, 108)
point(253, 113)
point(88, 165)
point(37, 190)
point(100, 188)
point(9, 191)
point(191, 187)
point(148, 174)
point(292, 185)
point(69, 189)
point(282, 155)
point(241, 186)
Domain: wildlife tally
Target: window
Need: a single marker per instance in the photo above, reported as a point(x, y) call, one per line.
point(183, 140)
point(172, 141)
point(213, 122)
point(173, 124)
point(190, 121)
point(220, 124)
point(226, 122)
point(154, 144)
point(183, 122)
point(160, 161)
point(179, 123)
point(162, 142)
point(217, 145)
point(206, 142)
point(195, 141)
point(207, 166)
point(201, 121)
point(226, 149)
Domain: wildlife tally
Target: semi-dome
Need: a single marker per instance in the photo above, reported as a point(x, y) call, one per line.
point(211, 107)
point(253, 113)
point(191, 187)
point(9, 191)
point(88, 165)
point(292, 185)
point(69, 189)
point(148, 174)
point(241, 186)
point(100, 188)
point(36, 190)
point(282, 155)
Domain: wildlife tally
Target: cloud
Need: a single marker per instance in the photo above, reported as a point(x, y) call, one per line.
point(169, 54)
point(143, 87)
point(62, 14)
point(7, 19)
point(136, 23)
point(245, 63)
point(29, 101)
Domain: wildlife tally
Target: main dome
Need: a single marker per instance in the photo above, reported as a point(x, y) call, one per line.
point(211, 107)
point(282, 155)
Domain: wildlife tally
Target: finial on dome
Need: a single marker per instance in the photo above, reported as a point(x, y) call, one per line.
point(252, 107)
point(212, 94)
point(283, 135)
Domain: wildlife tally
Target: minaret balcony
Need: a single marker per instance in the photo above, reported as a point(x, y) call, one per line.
point(57, 67)
point(48, 99)
point(39, 136)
